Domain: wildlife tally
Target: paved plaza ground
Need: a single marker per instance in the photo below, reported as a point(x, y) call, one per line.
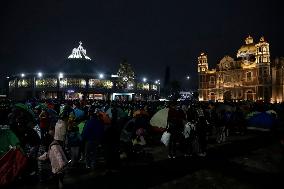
point(253, 161)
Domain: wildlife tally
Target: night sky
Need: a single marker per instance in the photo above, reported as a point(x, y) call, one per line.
point(36, 35)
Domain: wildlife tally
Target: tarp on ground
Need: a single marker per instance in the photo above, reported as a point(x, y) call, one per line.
point(251, 114)
point(262, 121)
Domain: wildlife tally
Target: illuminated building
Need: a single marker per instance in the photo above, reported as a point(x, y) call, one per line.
point(79, 78)
point(249, 76)
point(278, 80)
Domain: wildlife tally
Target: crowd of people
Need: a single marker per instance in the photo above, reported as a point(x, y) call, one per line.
point(72, 133)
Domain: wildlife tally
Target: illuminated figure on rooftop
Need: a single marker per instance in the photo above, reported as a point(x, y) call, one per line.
point(79, 52)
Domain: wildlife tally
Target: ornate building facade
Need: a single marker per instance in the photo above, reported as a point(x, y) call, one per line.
point(249, 76)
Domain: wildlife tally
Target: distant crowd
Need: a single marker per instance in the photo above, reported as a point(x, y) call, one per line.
point(55, 134)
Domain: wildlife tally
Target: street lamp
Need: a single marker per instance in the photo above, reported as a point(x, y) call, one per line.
point(157, 82)
point(60, 75)
point(23, 75)
point(101, 76)
point(144, 79)
point(188, 77)
point(39, 74)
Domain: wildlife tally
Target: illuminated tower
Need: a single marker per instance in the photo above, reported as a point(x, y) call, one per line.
point(202, 63)
point(202, 69)
point(262, 59)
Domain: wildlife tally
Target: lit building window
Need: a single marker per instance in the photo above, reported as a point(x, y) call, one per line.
point(154, 87)
point(46, 82)
point(73, 82)
point(97, 83)
point(12, 83)
point(24, 83)
point(143, 86)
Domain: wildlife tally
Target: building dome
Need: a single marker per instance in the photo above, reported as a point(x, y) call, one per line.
point(248, 49)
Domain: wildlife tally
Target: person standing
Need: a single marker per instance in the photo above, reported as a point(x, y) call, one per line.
point(56, 156)
point(112, 140)
point(201, 130)
point(175, 128)
point(74, 142)
point(92, 135)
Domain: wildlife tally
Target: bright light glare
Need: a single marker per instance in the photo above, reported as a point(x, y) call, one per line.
point(23, 75)
point(60, 75)
point(101, 76)
point(39, 74)
point(144, 79)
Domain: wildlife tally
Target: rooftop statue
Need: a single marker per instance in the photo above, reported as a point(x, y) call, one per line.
point(79, 53)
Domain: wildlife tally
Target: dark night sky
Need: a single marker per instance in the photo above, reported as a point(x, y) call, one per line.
point(151, 34)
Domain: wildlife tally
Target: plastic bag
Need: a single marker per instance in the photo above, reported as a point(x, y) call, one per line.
point(165, 139)
point(188, 129)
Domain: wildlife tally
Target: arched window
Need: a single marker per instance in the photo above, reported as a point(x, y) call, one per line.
point(249, 76)
point(212, 80)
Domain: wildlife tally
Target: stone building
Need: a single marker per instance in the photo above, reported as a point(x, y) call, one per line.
point(248, 76)
point(278, 80)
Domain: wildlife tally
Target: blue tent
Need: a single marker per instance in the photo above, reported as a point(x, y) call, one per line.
point(261, 121)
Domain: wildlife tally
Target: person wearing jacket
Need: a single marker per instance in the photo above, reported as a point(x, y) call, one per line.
point(92, 136)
